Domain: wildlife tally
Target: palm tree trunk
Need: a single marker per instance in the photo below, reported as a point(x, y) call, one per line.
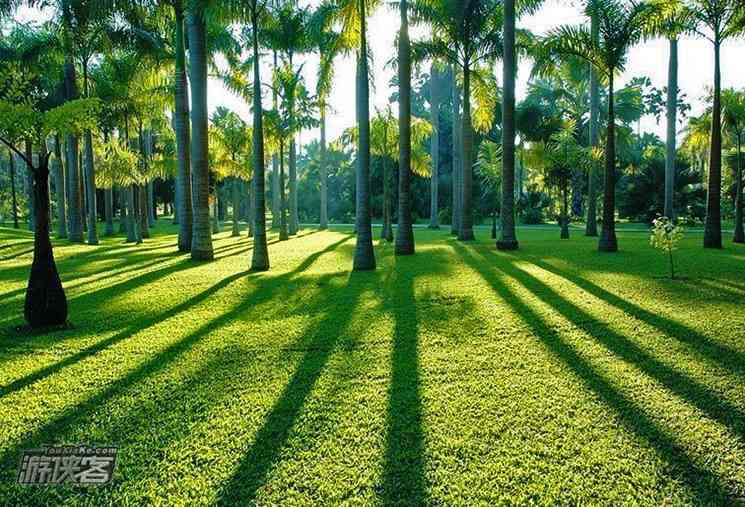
point(591, 227)
point(324, 171)
point(387, 232)
point(713, 226)
point(672, 102)
point(215, 213)
point(123, 220)
point(465, 231)
point(457, 152)
point(201, 242)
point(260, 259)
point(282, 201)
point(12, 164)
point(739, 233)
point(236, 194)
point(108, 198)
point(45, 303)
point(74, 204)
point(90, 186)
point(276, 200)
point(59, 186)
point(364, 255)
point(434, 100)
point(142, 208)
point(31, 221)
point(565, 211)
point(132, 223)
point(404, 232)
point(608, 241)
point(507, 237)
point(251, 206)
point(293, 187)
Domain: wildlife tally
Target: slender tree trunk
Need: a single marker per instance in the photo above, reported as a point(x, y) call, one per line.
point(150, 205)
point(276, 200)
point(251, 207)
point(236, 205)
point(565, 211)
point(260, 259)
point(12, 164)
point(283, 235)
point(123, 219)
point(608, 241)
point(324, 171)
point(404, 232)
point(293, 187)
point(201, 243)
point(457, 152)
point(387, 232)
point(508, 237)
point(364, 255)
point(142, 208)
point(591, 227)
point(713, 226)
point(434, 100)
point(59, 187)
point(90, 186)
point(45, 303)
point(30, 195)
point(672, 102)
point(108, 197)
point(183, 213)
point(133, 223)
point(465, 231)
point(739, 236)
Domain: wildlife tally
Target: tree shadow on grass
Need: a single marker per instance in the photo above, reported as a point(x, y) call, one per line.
point(718, 353)
point(273, 434)
point(50, 431)
point(132, 284)
point(706, 485)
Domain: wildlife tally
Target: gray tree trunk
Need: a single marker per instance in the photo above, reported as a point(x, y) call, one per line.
point(713, 225)
point(465, 231)
point(108, 198)
point(434, 100)
point(260, 259)
point(672, 103)
point(201, 242)
point(183, 214)
point(90, 189)
point(608, 241)
point(236, 205)
point(59, 187)
point(591, 225)
point(293, 188)
point(457, 154)
point(404, 231)
point(324, 172)
point(507, 235)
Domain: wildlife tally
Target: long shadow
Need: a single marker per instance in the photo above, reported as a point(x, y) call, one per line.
point(730, 358)
point(403, 476)
point(132, 329)
point(677, 382)
point(265, 290)
point(706, 485)
point(273, 434)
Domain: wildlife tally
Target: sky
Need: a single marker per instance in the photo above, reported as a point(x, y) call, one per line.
point(696, 67)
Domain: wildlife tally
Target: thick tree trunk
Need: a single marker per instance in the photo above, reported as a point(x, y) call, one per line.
point(276, 200)
point(713, 225)
point(508, 237)
point(434, 100)
point(457, 155)
point(364, 255)
point(201, 242)
point(404, 231)
point(260, 259)
point(591, 225)
point(45, 304)
point(465, 231)
point(672, 102)
point(324, 172)
point(90, 186)
point(183, 213)
point(12, 165)
point(608, 241)
point(293, 187)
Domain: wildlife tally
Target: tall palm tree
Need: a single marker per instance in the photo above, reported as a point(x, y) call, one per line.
point(591, 225)
point(201, 242)
point(716, 21)
point(435, 85)
point(620, 26)
point(404, 232)
point(733, 103)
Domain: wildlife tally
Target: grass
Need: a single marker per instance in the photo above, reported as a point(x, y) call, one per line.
point(461, 375)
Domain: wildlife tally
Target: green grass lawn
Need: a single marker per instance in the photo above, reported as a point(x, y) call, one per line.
point(461, 375)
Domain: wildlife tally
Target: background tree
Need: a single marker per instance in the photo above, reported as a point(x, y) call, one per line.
point(733, 109)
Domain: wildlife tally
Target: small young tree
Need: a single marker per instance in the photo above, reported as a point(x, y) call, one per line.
point(45, 303)
point(665, 236)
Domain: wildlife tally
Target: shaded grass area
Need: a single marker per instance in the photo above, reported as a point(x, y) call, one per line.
point(460, 375)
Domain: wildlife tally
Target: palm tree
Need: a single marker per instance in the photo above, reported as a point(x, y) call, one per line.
point(716, 21)
point(231, 135)
point(405, 231)
point(467, 35)
point(620, 26)
point(435, 84)
point(733, 103)
point(591, 225)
